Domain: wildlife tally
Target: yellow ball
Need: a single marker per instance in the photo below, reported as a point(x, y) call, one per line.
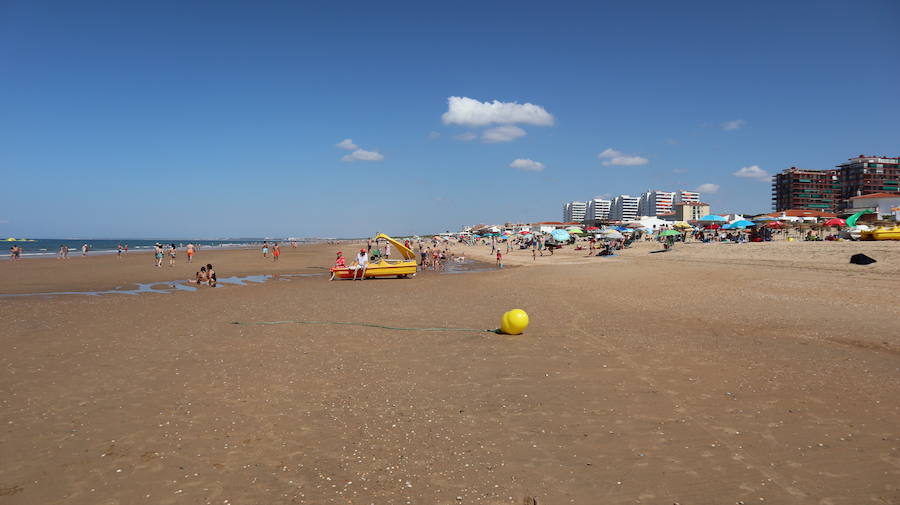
point(514, 322)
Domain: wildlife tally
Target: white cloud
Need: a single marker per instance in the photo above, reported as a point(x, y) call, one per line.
point(347, 144)
point(733, 125)
point(613, 157)
point(465, 137)
point(362, 155)
point(434, 135)
point(753, 172)
point(527, 165)
point(708, 188)
point(471, 112)
point(506, 133)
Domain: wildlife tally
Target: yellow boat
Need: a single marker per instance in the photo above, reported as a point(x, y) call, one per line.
point(399, 268)
point(881, 233)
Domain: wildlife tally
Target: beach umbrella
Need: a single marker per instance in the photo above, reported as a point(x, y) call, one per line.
point(528, 237)
point(622, 228)
point(592, 228)
point(713, 226)
point(835, 221)
point(713, 218)
point(612, 235)
point(666, 233)
point(775, 224)
point(523, 232)
point(574, 229)
point(743, 223)
point(560, 235)
point(765, 218)
point(682, 224)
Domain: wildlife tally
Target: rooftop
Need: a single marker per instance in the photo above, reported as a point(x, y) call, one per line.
point(693, 204)
point(877, 195)
point(802, 213)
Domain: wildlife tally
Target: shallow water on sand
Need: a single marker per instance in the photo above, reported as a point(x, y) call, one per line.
point(165, 287)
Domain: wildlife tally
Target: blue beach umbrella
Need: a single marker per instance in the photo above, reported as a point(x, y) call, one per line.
point(560, 235)
point(712, 218)
point(743, 223)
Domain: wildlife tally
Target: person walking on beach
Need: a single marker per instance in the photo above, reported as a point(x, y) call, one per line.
point(368, 245)
point(60, 255)
point(158, 254)
point(126, 248)
point(190, 252)
point(172, 255)
point(119, 252)
point(276, 252)
point(265, 249)
point(499, 259)
point(362, 263)
point(84, 250)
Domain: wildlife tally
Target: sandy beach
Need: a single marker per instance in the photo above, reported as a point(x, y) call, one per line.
point(714, 373)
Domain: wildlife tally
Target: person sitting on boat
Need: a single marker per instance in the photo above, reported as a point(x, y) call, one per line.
point(362, 263)
point(340, 261)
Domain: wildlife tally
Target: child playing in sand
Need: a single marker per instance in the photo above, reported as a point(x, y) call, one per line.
point(200, 278)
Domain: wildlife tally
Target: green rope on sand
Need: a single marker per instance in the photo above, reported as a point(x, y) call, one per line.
point(368, 325)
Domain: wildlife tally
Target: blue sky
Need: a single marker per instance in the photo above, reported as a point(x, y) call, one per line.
point(213, 119)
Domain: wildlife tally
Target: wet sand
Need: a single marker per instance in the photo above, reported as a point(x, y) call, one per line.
point(715, 373)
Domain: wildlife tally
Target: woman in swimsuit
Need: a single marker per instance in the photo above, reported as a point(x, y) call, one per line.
point(211, 275)
point(172, 255)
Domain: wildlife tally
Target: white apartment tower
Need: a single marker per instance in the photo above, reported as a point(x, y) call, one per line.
point(656, 202)
point(624, 208)
point(682, 196)
point(597, 209)
point(574, 211)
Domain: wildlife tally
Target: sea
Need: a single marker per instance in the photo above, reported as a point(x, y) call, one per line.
point(48, 247)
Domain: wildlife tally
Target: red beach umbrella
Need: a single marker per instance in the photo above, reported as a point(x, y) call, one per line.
point(713, 227)
point(775, 224)
point(835, 221)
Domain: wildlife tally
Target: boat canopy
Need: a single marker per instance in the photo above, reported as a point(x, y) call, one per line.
point(406, 253)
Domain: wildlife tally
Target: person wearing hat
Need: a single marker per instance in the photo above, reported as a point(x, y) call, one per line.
point(362, 263)
point(340, 261)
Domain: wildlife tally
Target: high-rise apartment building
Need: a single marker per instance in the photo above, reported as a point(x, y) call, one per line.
point(574, 211)
point(597, 210)
point(830, 190)
point(683, 196)
point(865, 175)
point(796, 188)
point(656, 202)
point(624, 208)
